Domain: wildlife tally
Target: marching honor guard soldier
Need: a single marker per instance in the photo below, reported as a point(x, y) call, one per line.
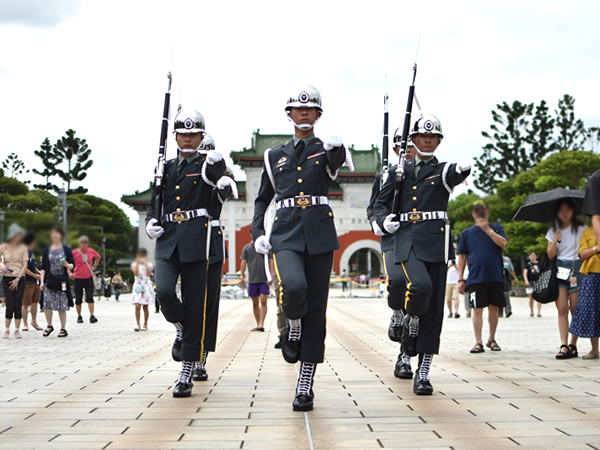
point(422, 247)
point(224, 189)
point(182, 236)
point(402, 368)
point(303, 238)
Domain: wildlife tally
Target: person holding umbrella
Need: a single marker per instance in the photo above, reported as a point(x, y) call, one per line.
point(563, 241)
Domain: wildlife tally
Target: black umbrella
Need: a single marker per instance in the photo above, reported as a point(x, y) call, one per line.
point(541, 207)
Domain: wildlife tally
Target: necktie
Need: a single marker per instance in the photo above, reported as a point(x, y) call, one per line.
point(182, 166)
point(299, 149)
point(419, 167)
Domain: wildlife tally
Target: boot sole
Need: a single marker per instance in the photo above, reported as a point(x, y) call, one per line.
point(303, 408)
point(183, 395)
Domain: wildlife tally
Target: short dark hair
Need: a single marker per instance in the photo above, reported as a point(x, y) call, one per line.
point(142, 252)
point(60, 230)
point(28, 238)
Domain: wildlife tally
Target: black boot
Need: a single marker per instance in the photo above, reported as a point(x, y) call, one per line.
point(176, 350)
point(290, 344)
point(422, 385)
point(305, 396)
point(278, 343)
point(403, 369)
point(395, 331)
point(184, 385)
point(410, 331)
point(199, 373)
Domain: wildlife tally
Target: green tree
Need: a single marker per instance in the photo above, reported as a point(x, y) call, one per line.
point(14, 166)
point(49, 162)
point(75, 153)
point(507, 153)
point(571, 133)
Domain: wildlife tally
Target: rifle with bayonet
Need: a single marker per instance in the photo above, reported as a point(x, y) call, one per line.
point(162, 153)
point(385, 148)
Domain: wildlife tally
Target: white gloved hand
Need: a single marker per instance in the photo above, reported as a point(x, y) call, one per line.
point(390, 225)
point(225, 182)
point(262, 245)
point(332, 142)
point(378, 231)
point(153, 230)
point(462, 167)
point(213, 157)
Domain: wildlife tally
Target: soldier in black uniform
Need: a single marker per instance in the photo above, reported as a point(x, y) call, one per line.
point(224, 189)
point(402, 368)
point(417, 279)
point(303, 236)
point(182, 235)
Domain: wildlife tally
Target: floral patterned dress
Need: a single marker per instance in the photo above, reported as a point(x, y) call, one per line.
point(143, 291)
point(56, 300)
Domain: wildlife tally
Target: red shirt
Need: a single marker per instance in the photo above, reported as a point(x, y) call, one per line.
point(81, 268)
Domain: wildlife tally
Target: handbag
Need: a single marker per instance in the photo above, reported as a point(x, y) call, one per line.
point(545, 289)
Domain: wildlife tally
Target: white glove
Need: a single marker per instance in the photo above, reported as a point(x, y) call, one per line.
point(332, 142)
point(262, 245)
point(153, 230)
point(462, 167)
point(376, 229)
point(213, 157)
point(391, 226)
point(224, 182)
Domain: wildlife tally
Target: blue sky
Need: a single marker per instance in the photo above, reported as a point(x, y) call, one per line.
point(99, 67)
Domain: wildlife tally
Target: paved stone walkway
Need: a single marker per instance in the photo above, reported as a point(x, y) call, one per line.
point(106, 386)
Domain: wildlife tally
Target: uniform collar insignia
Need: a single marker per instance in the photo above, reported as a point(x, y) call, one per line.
point(281, 161)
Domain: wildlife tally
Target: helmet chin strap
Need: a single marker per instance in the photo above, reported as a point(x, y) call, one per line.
point(421, 153)
point(303, 126)
point(188, 150)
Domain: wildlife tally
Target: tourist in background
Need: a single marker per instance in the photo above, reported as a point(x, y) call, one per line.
point(31, 296)
point(86, 262)
point(57, 269)
point(452, 290)
point(531, 273)
point(563, 242)
point(508, 275)
point(258, 289)
point(107, 286)
point(117, 283)
point(586, 317)
point(143, 289)
point(13, 261)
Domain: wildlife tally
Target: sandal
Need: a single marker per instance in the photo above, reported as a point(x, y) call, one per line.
point(478, 348)
point(49, 329)
point(591, 355)
point(17, 334)
point(136, 328)
point(62, 333)
point(25, 329)
point(562, 354)
point(493, 345)
point(573, 351)
point(36, 326)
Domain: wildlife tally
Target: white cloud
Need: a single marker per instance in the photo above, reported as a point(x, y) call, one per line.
point(36, 12)
point(103, 72)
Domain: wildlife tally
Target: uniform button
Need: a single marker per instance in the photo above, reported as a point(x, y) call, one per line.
point(414, 198)
point(177, 187)
point(414, 188)
point(195, 182)
point(280, 169)
point(414, 209)
point(299, 180)
point(178, 198)
point(317, 162)
point(205, 225)
point(299, 168)
point(433, 182)
point(275, 218)
point(304, 207)
point(301, 193)
point(330, 214)
point(178, 209)
point(442, 229)
point(220, 232)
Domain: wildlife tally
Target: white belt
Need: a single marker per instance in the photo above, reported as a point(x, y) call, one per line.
point(215, 223)
point(421, 216)
point(182, 216)
point(303, 201)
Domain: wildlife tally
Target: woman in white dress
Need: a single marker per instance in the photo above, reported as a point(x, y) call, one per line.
point(143, 291)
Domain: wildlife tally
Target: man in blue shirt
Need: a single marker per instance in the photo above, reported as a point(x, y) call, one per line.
point(481, 246)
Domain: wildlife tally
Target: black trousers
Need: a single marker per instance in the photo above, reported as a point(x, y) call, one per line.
point(303, 293)
point(191, 309)
point(87, 285)
point(212, 307)
point(419, 288)
point(13, 299)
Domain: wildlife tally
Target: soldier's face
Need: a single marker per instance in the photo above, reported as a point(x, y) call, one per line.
point(304, 115)
point(189, 141)
point(427, 142)
point(411, 151)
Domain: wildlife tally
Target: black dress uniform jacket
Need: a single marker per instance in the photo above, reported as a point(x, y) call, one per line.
point(387, 240)
point(310, 229)
point(189, 189)
point(429, 191)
